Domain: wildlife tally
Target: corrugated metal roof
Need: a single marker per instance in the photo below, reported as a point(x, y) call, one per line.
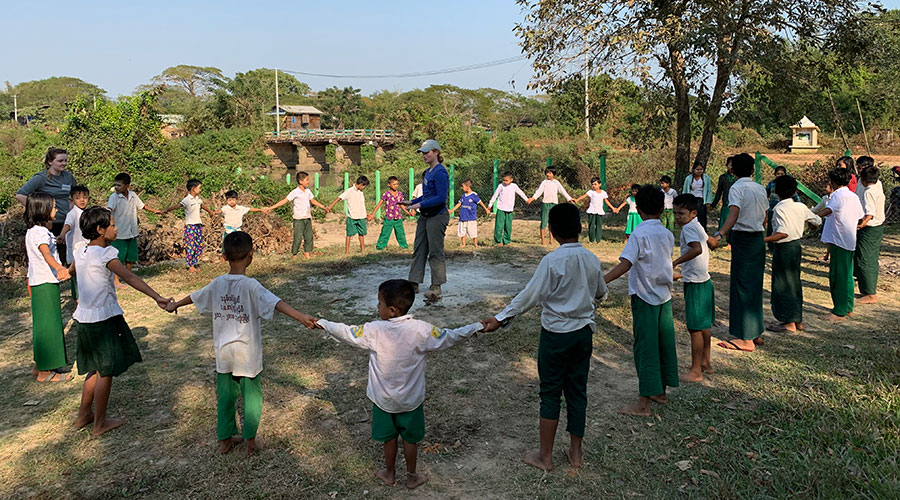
point(296, 110)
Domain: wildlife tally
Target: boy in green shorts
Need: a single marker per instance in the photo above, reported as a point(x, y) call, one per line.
point(699, 295)
point(302, 199)
point(356, 212)
point(647, 258)
point(550, 189)
point(397, 345)
point(124, 204)
point(668, 215)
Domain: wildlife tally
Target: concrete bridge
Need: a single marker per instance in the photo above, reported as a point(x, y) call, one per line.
point(304, 149)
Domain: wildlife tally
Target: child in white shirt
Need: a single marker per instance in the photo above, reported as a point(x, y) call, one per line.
point(566, 284)
point(236, 304)
point(125, 205)
point(668, 217)
point(106, 346)
point(397, 345)
point(71, 231)
point(301, 197)
point(193, 225)
point(870, 230)
point(505, 197)
point(648, 257)
point(551, 189)
point(356, 212)
point(233, 214)
point(595, 210)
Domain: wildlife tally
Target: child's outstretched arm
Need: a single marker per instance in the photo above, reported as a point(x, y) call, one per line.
point(208, 210)
point(578, 200)
point(610, 205)
point(537, 288)
point(333, 203)
point(307, 320)
point(316, 203)
point(621, 268)
point(442, 338)
point(494, 197)
point(62, 273)
point(136, 282)
point(521, 193)
point(62, 234)
point(350, 334)
point(375, 210)
point(458, 204)
point(694, 250)
point(276, 205)
point(173, 306)
point(486, 209)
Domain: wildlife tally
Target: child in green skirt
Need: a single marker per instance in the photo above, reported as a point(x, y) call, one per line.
point(236, 304)
point(699, 294)
point(647, 258)
point(44, 274)
point(634, 218)
point(870, 230)
point(105, 347)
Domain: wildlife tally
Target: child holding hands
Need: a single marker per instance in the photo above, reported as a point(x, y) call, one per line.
point(505, 197)
point(301, 197)
point(193, 225)
point(468, 214)
point(595, 210)
point(393, 218)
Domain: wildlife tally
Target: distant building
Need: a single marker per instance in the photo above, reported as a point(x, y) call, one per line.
point(298, 117)
point(171, 126)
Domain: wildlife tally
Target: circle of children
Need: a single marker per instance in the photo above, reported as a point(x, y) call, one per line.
point(101, 248)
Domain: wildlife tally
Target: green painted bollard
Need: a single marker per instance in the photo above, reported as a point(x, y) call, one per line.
point(603, 172)
point(239, 170)
point(378, 191)
point(496, 179)
point(757, 167)
point(549, 162)
point(452, 182)
point(316, 185)
point(412, 184)
point(287, 179)
point(346, 187)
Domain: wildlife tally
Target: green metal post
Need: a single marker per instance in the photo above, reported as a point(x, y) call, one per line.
point(757, 161)
point(287, 179)
point(316, 185)
point(603, 172)
point(847, 153)
point(549, 162)
point(412, 184)
point(496, 179)
point(452, 182)
point(346, 187)
point(378, 191)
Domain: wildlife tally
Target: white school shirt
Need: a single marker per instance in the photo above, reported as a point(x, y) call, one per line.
point(300, 199)
point(840, 226)
point(505, 196)
point(697, 187)
point(236, 304)
point(417, 192)
point(234, 217)
point(97, 299)
point(74, 236)
point(632, 204)
point(565, 283)
point(649, 249)
point(695, 270)
point(397, 350)
point(596, 206)
point(39, 272)
point(790, 217)
point(192, 207)
point(753, 202)
point(125, 213)
point(872, 200)
point(356, 202)
point(551, 191)
point(668, 201)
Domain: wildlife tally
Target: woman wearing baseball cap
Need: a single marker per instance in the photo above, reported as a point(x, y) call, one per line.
point(432, 224)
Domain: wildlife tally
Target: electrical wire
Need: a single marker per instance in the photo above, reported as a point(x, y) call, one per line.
point(456, 69)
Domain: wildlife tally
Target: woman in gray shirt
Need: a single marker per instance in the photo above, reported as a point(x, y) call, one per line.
point(56, 181)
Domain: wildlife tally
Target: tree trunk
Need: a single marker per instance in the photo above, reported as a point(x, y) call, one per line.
point(711, 123)
point(676, 71)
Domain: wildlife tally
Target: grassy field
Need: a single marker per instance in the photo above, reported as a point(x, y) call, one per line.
point(809, 415)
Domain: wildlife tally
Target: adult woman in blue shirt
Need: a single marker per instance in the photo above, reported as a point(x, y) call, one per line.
point(56, 181)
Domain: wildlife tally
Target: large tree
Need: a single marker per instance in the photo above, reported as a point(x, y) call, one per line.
point(49, 98)
point(194, 80)
point(695, 46)
point(243, 100)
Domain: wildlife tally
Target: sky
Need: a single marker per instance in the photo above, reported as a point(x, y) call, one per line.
point(118, 45)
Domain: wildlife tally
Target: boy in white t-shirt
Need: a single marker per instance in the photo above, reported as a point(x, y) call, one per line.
point(125, 204)
point(550, 188)
point(647, 258)
point(870, 230)
point(71, 231)
point(505, 198)
point(233, 215)
point(699, 294)
point(668, 217)
point(193, 225)
point(236, 304)
point(595, 210)
point(301, 197)
point(397, 345)
point(356, 212)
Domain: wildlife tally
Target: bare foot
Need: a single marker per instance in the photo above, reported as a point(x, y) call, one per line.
point(293, 256)
point(413, 481)
point(252, 447)
point(867, 299)
point(799, 326)
point(226, 445)
point(636, 410)
point(108, 425)
point(306, 255)
point(192, 269)
point(82, 421)
point(575, 457)
point(533, 458)
point(692, 376)
point(782, 327)
point(384, 475)
point(660, 399)
point(759, 341)
point(707, 368)
point(834, 318)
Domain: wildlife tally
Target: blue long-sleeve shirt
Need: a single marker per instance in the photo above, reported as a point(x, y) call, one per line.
point(435, 187)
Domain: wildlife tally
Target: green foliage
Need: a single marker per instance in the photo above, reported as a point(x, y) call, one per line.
point(50, 98)
point(330, 154)
point(341, 108)
point(244, 100)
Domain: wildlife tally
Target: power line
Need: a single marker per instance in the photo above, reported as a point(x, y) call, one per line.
point(456, 69)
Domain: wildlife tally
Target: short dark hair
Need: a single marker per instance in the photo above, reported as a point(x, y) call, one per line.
point(362, 179)
point(398, 293)
point(467, 182)
point(839, 176)
point(698, 163)
point(864, 161)
point(550, 170)
point(596, 179)
point(79, 189)
point(846, 161)
point(743, 165)
point(785, 187)
point(869, 175)
point(301, 176)
point(38, 209)
point(565, 221)
point(123, 178)
point(192, 183)
point(650, 199)
point(686, 201)
point(231, 193)
point(666, 179)
point(392, 179)
point(91, 219)
point(782, 168)
point(237, 245)
point(507, 174)
point(635, 187)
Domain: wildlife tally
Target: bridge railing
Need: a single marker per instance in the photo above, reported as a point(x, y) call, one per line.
point(327, 134)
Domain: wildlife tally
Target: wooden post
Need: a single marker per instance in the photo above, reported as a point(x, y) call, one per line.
point(861, 122)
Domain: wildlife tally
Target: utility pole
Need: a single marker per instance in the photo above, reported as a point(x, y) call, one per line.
point(277, 107)
point(16, 109)
point(587, 105)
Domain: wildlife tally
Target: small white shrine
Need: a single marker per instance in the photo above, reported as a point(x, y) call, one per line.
point(804, 136)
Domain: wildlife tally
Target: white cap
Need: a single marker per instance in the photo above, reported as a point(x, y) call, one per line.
point(429, 145)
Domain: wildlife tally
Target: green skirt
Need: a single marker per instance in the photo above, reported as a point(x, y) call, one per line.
point(787, 290)
point(748, 262)
point(865, 259)
point(633, 220)
point(699, 305)
point(47, 336)
point(106, 347)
